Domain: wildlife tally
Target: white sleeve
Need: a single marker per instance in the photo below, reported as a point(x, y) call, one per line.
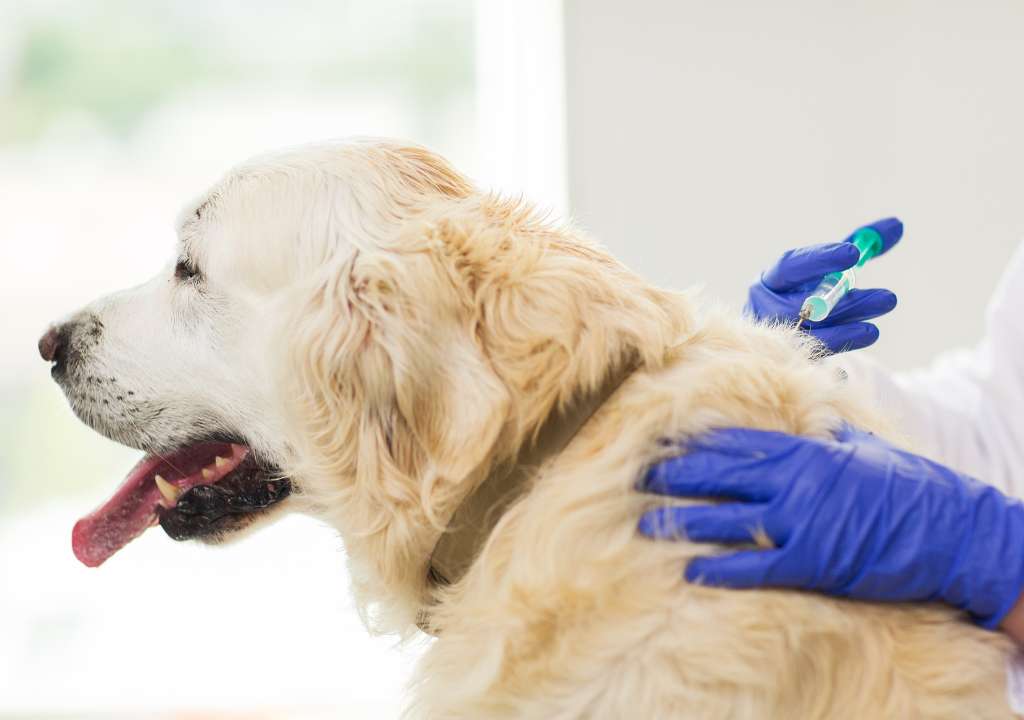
point(966, 410)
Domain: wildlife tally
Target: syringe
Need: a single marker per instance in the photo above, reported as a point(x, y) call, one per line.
point(834, 286)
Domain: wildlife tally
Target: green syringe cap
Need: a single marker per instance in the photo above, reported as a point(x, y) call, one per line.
point(886, 232)
point(869, 242)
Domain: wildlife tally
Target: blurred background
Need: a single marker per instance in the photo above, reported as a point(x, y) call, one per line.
point(696, 140)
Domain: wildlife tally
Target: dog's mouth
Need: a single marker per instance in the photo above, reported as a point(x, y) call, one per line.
point(203, 489)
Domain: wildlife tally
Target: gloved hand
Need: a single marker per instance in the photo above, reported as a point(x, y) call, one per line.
point(782, 288)
point(852, 517)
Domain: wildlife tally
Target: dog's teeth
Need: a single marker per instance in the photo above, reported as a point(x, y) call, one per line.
point(170, 492)
point(219, 461)
point(208, 474)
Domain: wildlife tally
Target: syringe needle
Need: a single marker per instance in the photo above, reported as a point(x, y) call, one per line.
point(804, 314)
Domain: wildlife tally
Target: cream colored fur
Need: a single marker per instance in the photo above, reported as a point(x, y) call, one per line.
point(365, 319)
point(424, 357)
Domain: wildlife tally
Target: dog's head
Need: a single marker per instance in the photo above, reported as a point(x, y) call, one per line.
point(350, 330)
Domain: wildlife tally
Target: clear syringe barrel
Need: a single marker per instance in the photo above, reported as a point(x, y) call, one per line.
point(832, 288)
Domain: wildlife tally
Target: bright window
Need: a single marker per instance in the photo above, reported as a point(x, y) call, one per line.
point(112, 115)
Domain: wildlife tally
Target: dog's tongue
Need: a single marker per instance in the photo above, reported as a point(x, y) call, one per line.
point(136, 504)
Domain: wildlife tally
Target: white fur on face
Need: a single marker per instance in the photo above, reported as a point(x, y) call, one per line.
point(176, 360)
point(158, 366)
point(180, 359)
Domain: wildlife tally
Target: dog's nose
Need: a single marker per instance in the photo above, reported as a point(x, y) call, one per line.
point(51, 343)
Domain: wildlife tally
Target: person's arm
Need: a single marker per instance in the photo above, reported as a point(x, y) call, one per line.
point(967, 409)
point(852, 517)
point(857, 517)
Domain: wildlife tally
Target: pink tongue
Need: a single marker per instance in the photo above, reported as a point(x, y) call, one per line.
point(121, 519)
point(133, 508)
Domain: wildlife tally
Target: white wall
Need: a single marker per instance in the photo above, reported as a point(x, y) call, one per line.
point(706, 137)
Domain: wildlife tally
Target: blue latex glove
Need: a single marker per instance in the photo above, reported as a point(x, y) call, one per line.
point(852, 517)
point(783, 288)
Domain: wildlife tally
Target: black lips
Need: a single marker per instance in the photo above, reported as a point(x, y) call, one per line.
point(210, 509)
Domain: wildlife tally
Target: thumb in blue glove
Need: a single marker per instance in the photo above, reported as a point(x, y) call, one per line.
point(782, 288)
point(852, 517)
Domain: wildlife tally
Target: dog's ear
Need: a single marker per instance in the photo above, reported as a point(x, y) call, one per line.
point(386, 349)
point(446, 393)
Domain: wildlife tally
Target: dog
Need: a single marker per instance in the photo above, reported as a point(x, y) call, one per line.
point(469, 393)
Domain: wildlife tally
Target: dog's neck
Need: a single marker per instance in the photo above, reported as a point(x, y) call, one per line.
point(477, 515)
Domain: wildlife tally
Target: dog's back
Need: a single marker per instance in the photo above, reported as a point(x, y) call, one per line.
point(568, 613)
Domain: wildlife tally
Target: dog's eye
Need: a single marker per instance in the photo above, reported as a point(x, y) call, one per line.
point(185, 271)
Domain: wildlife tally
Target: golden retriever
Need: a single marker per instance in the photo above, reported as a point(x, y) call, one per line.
point(469, 394)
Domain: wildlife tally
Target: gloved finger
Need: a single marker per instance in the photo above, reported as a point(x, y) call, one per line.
point(745, 442)
point(742, 570)
point(766, 304)
point(804, 265)
point(728, 523)
point(860, 305)
point(844, 338)
point(706, 473)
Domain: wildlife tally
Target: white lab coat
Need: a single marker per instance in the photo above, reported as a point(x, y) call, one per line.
point(966, 410)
